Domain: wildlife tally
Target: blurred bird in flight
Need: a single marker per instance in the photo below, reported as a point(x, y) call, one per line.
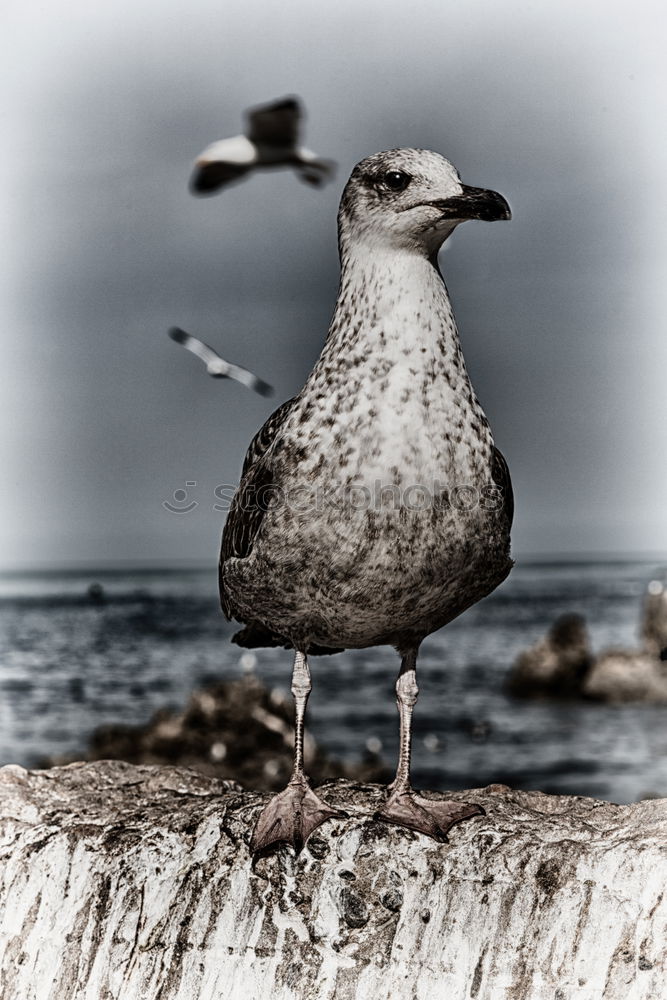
point(216, 366)
point(271, 139)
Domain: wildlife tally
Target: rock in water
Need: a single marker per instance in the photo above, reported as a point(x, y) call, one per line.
point(654, 624)
point(234, 730)
point(557, 665)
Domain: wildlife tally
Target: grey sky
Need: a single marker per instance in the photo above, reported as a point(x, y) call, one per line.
point(559, 106)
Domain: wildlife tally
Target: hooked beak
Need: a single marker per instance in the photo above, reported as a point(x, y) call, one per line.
point(474, 203)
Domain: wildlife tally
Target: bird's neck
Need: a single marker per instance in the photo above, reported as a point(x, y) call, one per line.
point(391, 381)
point(393, 311)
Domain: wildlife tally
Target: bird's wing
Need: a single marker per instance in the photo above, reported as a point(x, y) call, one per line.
point(248, 379)
point(216, 366)
point(249, 504)
point(500, 474)
point(275, 124)
point(221, 163)
point(266, 435)
point(210, 357)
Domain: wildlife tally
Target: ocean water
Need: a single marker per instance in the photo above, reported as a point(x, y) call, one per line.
point(69, 663)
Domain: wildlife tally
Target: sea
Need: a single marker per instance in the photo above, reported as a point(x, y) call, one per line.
point(82, 648)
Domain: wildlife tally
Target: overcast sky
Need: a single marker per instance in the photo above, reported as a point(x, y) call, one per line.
point(560, 106)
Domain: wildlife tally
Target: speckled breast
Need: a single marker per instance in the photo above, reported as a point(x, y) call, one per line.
point(359, 568)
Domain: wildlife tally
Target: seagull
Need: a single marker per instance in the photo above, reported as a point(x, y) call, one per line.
point(374, 506)
point(216, 366)
point(271, 140)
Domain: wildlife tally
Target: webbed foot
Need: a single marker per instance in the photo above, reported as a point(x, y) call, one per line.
point(434, 817)
point(290, 817)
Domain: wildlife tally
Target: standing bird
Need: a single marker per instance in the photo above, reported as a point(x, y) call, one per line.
point(271, 140)
point(374, 507)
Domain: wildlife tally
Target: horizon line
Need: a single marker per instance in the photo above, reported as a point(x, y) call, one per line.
point(201, 565)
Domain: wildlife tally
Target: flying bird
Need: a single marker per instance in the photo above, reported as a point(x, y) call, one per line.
point(374, 506)
point(271, 140)
point(216, 366)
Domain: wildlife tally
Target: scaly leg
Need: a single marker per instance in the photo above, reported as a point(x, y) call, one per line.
point(404, 807)
point(293, 814)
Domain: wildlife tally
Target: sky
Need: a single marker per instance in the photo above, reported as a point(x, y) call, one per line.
point(559, 106)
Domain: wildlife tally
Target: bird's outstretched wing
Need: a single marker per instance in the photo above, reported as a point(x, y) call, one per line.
point(251, 498)
point(275, 124)
point(500, 474)
point(221, 163)
point(216, 366)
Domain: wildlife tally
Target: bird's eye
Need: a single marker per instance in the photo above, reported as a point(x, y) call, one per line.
point(396, 180)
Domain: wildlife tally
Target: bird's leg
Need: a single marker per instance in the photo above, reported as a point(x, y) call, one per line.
point(292, 815)
point(301, 688)
point(407, 692)
point(404, 807)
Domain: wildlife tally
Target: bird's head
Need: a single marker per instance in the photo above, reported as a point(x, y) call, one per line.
point(411, 199)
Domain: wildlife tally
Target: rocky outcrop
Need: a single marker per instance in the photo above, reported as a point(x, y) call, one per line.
point(654, 620)
point(232, 730)
point(557, 665)
point(135, 883)
point(621, 675)
point(562, 664)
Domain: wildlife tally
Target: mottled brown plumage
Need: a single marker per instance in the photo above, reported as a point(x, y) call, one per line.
point(374, 507)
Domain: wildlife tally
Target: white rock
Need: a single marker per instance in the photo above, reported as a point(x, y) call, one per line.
point(135, 883)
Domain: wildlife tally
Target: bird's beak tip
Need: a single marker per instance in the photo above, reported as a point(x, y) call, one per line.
point(489, 206)
point(475, 203)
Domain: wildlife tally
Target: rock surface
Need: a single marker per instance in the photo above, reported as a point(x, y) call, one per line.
point(122, 882)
